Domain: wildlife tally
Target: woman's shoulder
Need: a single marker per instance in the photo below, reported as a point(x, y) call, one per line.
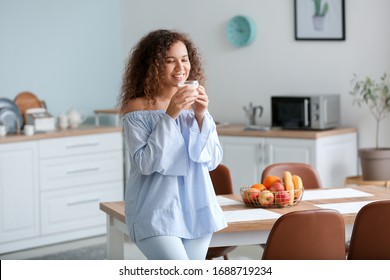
point(137, 104)
point(141, 109)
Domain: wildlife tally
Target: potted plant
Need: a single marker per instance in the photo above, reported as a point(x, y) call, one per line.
point(375, 162)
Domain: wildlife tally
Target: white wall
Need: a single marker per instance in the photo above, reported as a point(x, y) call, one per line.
point(275, 63)
point(68, 53)
point(71, 53)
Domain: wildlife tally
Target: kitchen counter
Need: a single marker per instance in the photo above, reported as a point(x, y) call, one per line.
point(238, 130)
point(223, 130)
point(82, 130)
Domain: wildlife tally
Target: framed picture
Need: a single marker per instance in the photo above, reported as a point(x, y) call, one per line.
point(319, 19)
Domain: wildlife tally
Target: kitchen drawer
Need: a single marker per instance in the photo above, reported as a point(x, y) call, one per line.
point(77, 209)
point(76, 145)
point(67, 172)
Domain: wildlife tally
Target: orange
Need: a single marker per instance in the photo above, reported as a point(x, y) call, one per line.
point(269, 180)
point(261, 187)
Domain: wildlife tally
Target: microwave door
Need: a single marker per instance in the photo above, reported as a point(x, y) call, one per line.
point(291, 112)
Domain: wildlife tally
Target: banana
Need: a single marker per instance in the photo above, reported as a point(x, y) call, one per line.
point(287, 180)
point(289, 185)
point(298, 185)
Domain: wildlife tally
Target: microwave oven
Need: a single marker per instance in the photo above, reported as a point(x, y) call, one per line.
point(305, 112)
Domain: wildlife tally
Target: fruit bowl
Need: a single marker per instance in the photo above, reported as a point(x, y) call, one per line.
point(271, 199)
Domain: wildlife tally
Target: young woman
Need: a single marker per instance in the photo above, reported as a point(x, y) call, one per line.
point(170, 204)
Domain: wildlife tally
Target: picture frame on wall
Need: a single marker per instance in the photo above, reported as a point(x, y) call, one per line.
point(319, 19)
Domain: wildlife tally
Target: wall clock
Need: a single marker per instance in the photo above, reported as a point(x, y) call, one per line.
point(241, 31)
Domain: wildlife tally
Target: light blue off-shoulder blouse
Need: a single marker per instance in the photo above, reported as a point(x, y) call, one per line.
point(169, 190)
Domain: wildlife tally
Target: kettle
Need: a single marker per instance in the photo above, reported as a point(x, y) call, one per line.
point(75, 118)
point(251, 113)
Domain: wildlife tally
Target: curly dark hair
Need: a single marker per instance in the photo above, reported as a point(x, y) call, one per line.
point(144, 71)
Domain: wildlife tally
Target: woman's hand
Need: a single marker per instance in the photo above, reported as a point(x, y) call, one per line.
point(181, 100)
point(201, 104)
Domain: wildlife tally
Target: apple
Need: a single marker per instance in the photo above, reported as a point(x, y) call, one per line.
point(277, 187)
point(245, 197)
point(282, 198)
point(252, 194)
point(266, 198)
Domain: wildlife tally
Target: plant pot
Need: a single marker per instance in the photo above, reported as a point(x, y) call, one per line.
point(318, 23)
point(375, 164)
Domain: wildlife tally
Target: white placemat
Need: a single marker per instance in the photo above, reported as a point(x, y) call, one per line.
point(345, 207)
point(250, 215)
point(223, 201)
point(333, 193)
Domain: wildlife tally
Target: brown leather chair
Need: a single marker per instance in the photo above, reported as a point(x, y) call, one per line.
point(222, 183)
point(307, 235)
point(309, 175)
point(370, 238)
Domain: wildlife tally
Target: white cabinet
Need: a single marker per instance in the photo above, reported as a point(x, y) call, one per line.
point(284, 150)
point(76, 174)
point(76, 209)
point(334, 157)
point(19, 197)
point(244, 157)
point(51, 188)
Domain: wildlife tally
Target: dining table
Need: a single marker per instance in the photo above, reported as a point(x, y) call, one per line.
point(248, 225)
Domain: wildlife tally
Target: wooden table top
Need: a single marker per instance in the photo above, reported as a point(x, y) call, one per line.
point(116, 208)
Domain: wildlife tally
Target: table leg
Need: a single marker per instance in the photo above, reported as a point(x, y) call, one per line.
point(115, 241)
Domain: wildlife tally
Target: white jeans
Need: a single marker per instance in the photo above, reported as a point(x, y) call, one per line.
point(174, 248)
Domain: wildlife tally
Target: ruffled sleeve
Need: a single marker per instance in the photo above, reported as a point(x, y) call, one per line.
point(204, 145)
point(155, 144)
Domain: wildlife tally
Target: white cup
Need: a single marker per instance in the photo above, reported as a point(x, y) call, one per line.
point(63, 121)
point(190, 84)
point(3, 130)
point(28, 129)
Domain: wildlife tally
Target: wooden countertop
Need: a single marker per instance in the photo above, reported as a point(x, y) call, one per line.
point(82, 130)
point(238, 130)
point(107, 111)
point(223, 130)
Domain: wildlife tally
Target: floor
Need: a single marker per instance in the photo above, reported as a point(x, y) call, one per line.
point(253, 252)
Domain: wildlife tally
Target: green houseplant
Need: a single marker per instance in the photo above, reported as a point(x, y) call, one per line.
point(319, 9)
point(375, 95)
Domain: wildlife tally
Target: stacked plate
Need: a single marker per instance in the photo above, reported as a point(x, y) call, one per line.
point(10, 115)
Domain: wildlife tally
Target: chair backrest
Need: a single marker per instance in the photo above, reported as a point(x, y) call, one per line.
point(370, 238)
point(222, 180)
point(307, 235)
point(309, 175)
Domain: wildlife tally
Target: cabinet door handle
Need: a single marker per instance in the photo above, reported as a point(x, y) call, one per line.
point(81, 145)
point(83, 201)
point(82, 170)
